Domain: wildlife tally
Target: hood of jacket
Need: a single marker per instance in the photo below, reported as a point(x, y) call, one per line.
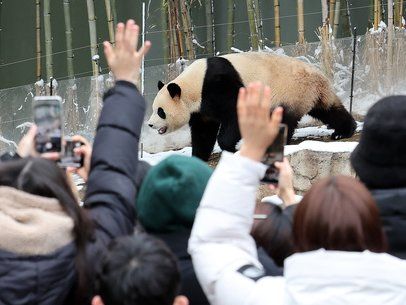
point(32, 225)
point(337, 277)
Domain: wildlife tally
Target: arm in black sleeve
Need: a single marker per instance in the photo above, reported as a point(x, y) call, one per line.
point(112, 183)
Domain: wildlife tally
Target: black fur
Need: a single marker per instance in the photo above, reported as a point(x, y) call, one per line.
point(219, 99)
point(204, 133)
point(160, 85)
point(291, 119)
point(161, 113)
point(337, 118)
point(174, 90)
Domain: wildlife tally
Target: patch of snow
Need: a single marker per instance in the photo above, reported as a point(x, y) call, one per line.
point(95, 57)
point(321, 146)
point(24, 126)
point(277, 51)
point(194, 41)
point(236, 50)
point(154, 159)
point(40, 83)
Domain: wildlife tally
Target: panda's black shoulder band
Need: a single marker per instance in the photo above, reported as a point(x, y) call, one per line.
point(252, 272)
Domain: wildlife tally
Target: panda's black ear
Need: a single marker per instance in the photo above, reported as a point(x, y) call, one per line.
point(160, 85)
point(174, 90)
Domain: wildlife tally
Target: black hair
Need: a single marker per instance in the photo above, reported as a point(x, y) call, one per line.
point(274, 234)
point(42, 177)
point(138, 270)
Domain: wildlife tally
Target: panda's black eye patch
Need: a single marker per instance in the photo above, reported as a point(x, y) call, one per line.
point(161, 113)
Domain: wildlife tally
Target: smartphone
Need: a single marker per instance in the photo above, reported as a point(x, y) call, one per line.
point(273, 154)
point(47, 111)
point(69, 158)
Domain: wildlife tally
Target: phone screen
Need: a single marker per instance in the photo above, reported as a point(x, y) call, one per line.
point(48, 118)
point(273, 154)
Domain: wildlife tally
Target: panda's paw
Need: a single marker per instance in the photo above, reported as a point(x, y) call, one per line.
point(336, 136)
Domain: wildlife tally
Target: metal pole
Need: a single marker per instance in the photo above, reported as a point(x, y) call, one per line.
point(51, 84)
point(143, 42)
point(353, 67)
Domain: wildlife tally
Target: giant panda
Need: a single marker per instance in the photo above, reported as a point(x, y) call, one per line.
point(205, 96)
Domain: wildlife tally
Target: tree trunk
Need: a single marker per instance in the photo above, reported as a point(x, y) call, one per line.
point(332, 12)
point(114, 12)
point(177, 27)
point(110, 21)
point(68, 34)
point(166, 33)
point(258, 24)
point(276, 8)
point(93, 36)
point(252, 25)
point(346, 19)
point(300, 21)
point(48, 39)
point(336, 18)
point(230, 24)
point(38, 38)
point(211, 49)
point(377, 17)
point(174, 48)
point(324, 12)
point(187, 29)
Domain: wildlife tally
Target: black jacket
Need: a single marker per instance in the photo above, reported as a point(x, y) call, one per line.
point(392, 206)
point(112, 187)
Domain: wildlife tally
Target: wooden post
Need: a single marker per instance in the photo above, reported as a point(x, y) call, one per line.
point(324, 12)
point(300, 21)
point(276, 8)
point(177, 27)
point(93, 36)
point(38, 38)
point(230, 24)
point(187, 29)
point(258, 23)
point(48, 39)
point(336, 18)
point(110, 21)
point(68, 34)
point(211, 49)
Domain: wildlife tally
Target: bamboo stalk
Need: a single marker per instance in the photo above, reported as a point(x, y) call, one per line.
point(187, 29)
point(38, 37)
point(276, 8)
point(258, 23)
point(166, 42)
point(209, 25)
point(390, 43)
point(230, 24)
point(336, 18)
point(253, 29)
point(172, 32)
point(110, 21)
point(48, 38)
point(332, 11)
point(177, 27)
point(68, 34)
point(300, 21)
point(377, 17)
point(114, 13)
point(324, 12)
point(93, 36)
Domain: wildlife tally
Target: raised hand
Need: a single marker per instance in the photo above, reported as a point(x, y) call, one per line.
point(258, 129)
point(124, 60)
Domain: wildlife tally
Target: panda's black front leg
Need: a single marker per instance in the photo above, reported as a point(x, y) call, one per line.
point(204, 133)
point(229, 135)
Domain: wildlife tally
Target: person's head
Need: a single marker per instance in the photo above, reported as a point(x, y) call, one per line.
point(43, 177)
point(274, 234)
point(379, 159)
point(138, 270)
point(170, 194)
point(338, 213)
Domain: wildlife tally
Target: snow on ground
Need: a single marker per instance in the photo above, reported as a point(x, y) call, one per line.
point(306, 132)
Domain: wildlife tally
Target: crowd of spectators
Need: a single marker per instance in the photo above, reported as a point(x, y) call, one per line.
point(180, 233)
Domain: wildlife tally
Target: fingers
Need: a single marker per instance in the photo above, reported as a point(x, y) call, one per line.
point(79, 138)
point(108, 52)
point(145, 48)
point(131, 34)
point(276, 118)
point(119, 34)
point(32, 131)
point(54, 156)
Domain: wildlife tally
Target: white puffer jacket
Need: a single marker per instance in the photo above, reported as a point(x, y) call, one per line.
point(225, 257)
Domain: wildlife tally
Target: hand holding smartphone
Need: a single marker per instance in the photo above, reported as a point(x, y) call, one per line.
point(275, 153)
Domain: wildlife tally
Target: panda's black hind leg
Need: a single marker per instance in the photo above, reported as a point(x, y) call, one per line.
point(229, 136)
point(336, 117)
point(204, 133)
point(291, 119)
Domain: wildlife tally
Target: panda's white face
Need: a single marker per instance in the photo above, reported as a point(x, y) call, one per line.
point(169, 113)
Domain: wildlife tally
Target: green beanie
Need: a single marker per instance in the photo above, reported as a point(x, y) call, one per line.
point(170, 194)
